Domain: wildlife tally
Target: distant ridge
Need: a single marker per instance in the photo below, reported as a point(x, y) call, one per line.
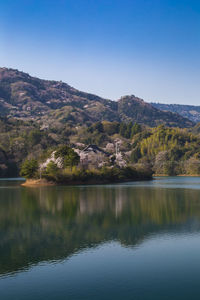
point(192, 112)
point(52, 102)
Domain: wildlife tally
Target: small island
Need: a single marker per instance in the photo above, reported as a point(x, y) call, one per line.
point(92, 165)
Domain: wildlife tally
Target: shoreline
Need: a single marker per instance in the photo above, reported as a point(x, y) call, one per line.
point(37, 182)
point(44, 182)
point(180, 175)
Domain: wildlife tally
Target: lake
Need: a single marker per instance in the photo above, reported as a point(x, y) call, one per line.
point(136, 240)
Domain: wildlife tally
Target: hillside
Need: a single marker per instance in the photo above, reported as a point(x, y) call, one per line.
point(55, 103)
point(191, 112)
point(166, 150)
point(135, 109)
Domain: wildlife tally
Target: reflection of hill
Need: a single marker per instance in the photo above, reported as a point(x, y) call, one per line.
point(52, 223)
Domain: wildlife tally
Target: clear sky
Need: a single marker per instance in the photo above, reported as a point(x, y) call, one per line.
point(150, 48)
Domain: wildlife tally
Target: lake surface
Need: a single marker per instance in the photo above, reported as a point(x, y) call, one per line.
point(126, 241)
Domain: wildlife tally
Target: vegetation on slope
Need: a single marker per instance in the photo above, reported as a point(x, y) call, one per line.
point(191, 112)
point(38, 116)
point(166, 150)
point(49, 102)
point(171, 151)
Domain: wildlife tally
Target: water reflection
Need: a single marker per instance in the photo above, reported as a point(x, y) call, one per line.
point(42, 224)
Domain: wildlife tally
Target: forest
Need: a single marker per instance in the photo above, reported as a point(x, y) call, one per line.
point(164, 150)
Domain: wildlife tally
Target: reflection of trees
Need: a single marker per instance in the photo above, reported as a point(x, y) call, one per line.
point(52, 223)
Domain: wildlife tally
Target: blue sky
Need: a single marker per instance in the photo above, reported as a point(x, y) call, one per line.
point(108, 47)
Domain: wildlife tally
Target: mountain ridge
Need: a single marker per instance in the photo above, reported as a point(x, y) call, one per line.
point(191, 112)
point(30, 98)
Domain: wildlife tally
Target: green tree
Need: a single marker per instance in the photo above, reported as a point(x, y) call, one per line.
point(122, 129)
point(127, 133)
point(34, 136)
point(29, 169)
point(62, 151)
point(136, 128)
point(71, 159)
point(51, 169)
point(135, 154)
point(110, 128)
point(169, 168)
point(98, 126)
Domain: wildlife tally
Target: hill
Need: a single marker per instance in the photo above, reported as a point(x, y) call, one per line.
point(190, 112)
point(54, 102)
point(167, 150)
point(135, 109)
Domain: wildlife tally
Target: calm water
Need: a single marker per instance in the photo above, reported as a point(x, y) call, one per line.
point(127, 241)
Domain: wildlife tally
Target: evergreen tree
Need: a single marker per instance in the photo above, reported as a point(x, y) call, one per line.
point(51, 169)
point(29, 169)
point(71, 159)
point(136, 128)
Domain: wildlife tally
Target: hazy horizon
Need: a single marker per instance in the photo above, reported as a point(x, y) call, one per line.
point(108, 48)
